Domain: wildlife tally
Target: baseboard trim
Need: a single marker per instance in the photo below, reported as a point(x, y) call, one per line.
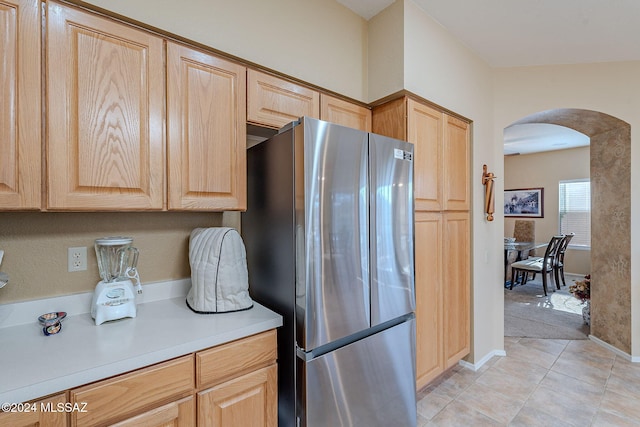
point(617, 351)
point(476, 366)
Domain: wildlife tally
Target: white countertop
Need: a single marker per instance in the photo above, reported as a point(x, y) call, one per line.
point(34, 365)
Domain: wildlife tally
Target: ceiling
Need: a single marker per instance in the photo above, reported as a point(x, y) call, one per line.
point(515, 33)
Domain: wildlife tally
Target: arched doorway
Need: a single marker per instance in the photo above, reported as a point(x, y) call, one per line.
point(610, 172)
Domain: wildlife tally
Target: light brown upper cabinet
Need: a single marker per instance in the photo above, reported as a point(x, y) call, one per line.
point(456, 164)
point(441, 151)
point(105, 113)
point(20, 117)
point(206, 131)
point(344, 113)
point(275, 102)
point(424, 130)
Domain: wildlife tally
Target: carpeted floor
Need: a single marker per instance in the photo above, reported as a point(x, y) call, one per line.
point(528, 313)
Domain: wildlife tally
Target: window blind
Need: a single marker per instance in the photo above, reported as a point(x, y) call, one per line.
point(575, 211)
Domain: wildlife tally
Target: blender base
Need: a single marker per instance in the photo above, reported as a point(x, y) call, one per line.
point(113, 301)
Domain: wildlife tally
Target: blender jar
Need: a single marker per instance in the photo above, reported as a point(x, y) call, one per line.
point(115, 256)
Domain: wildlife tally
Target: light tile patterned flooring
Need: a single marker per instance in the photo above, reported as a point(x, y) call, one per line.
point(541, 382)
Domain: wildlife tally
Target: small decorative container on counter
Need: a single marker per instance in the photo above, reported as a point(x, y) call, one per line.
point(51, 318)
point(52, 329)
point(52, 322)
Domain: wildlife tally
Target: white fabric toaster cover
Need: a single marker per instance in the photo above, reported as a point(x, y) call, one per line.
point(219, 277)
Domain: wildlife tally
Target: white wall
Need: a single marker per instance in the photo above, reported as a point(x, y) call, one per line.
point(318, 41)
point(611, 88)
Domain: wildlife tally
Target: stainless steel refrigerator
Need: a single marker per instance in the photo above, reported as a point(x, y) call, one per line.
point(329, 238)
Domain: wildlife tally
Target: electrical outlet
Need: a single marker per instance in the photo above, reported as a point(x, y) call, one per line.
point(77, 259)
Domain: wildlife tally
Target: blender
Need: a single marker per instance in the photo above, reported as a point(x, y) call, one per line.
point(115, 297)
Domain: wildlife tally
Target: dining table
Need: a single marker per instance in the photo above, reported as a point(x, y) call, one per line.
point(520, 248)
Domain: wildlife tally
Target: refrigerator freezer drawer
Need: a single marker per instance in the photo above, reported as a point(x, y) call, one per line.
point(368, 383)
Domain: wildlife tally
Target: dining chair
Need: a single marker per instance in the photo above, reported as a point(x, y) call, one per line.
point(542, 265)
point(523, 231)
point(558, 264)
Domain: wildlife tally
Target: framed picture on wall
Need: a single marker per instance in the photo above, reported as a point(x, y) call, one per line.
point(524, 203)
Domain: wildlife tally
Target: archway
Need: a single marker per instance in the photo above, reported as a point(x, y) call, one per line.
point(610, 172)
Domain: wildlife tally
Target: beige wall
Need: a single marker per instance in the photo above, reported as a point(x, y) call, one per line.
point(610, 88)
point(317, 41)
point(386, 52)
point(36, 243)
point(546, 170)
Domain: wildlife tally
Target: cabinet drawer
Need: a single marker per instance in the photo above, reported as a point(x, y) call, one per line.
point(226, 361)
point(125, 395)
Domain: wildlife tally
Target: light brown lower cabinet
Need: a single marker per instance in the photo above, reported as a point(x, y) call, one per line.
point(230, 385)
point(442, 281)
point(125, 396)
point(175, 414)
point(42, 413)
point(456, 287)
point(249, 401)
point(428, 283)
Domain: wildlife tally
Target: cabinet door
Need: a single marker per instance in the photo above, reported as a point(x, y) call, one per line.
point(176, 414)
point(344, 113)
point(456, 287)
point(20, 109)
point(456, 165)
point(206, 131)
point(275, 102)
point(249, 401)
point(428, 279)
point(105, 83)
point(424, 125)
point(42, 413)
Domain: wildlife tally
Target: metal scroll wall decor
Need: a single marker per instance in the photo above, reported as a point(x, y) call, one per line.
point(489, 193)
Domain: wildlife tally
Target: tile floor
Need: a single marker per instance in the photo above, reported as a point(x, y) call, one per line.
point(541, 382)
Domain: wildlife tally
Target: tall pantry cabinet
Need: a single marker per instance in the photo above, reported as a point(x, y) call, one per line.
point(442, 231)
point(20, 95)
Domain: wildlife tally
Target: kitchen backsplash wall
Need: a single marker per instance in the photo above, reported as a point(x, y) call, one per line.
point(35, 245)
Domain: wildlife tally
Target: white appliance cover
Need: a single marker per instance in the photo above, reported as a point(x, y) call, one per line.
point(219, 277)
